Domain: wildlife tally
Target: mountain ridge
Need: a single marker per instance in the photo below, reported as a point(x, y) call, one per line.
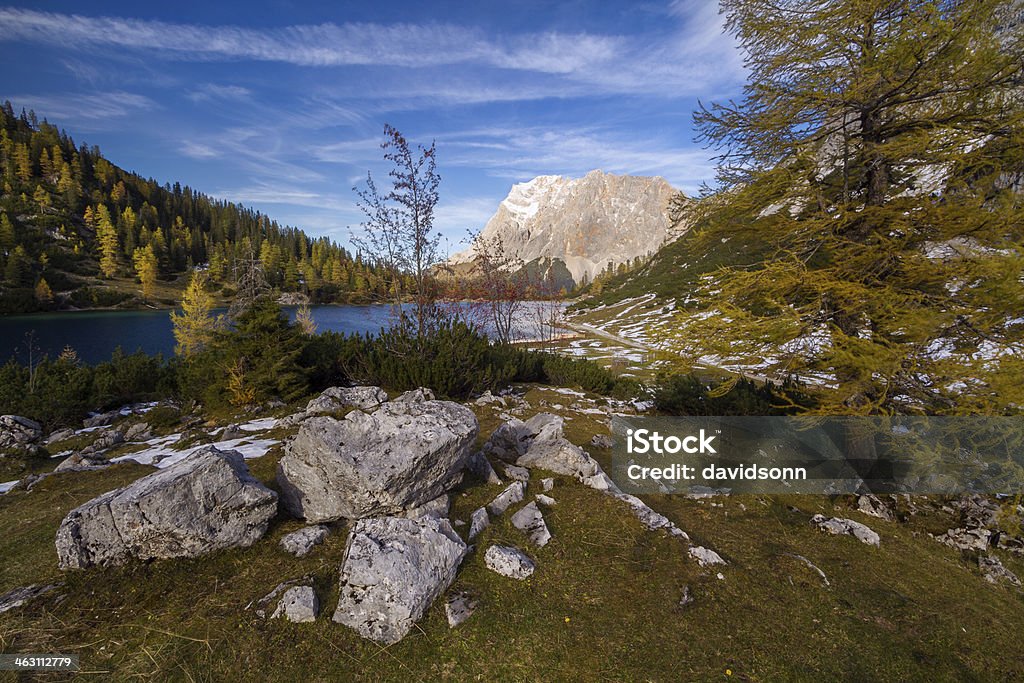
point(587, 223)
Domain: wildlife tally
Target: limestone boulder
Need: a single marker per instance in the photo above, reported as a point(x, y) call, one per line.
point(394, 569)
point(399, 457)
point(206, 502)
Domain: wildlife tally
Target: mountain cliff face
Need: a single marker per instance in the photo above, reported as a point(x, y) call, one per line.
point(585, 222)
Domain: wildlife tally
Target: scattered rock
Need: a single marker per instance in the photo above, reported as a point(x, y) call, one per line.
point(546, 501)
point(60, 435)
point(966, 539)
point(437, 508)
point(978, 511)
point(810, 565)
point(401, 456)
point(510, 496)
point(334, 399)
point(416, 396)
point(510, 562)
point(17, 432)
point(870, 504)
point(232, 431)
point(107, 439)
point(101, 419)
point(301, 543)
point(705, 557)
point(478, 522)
point(480, 466)
point(547, 484)
point(687, 598)
point(81, 462)
point(991, 567)
point(509, 440)
point(488, 398)
point(517, 473)
point(261, 604)
point(848, 527)
point(648, 517)
point(20, 596)
point(140, 431)
point(299, 605)
point(459, 607)
point(394, 568)
point(530, 521)
point(206, 502)
point(602, 441)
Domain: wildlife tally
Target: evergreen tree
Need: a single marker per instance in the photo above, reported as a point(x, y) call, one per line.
point(873, 158)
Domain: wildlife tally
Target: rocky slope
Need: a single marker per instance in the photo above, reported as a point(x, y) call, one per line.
point(585, 222)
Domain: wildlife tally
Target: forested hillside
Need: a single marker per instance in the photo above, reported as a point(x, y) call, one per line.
point(78, 231)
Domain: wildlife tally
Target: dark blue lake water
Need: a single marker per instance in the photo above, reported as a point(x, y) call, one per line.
point(95, 334)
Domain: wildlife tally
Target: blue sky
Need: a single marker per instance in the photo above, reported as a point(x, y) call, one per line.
point(281, 105)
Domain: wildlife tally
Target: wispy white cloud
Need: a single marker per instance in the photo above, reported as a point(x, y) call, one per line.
point(677, 62)
point(80, 107)
point(214, 91)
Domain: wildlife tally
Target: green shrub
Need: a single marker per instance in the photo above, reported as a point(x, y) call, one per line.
point(689, 395)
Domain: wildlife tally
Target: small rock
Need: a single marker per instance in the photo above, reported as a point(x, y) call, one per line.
point(60, 435)
point(479, 465)
point(232, 431)
point(870, 504)
point(510, 496)
point(510, 562)
point(416, 396)
point(966, 539)
point(517, 473)
point(334, 399)
point(20, 596)
point(602, 441)
point(107, 439)
point(298, 605)
point(547, 484)
point(437, 508)
point(300, 543)
point(101, 419)
point(80, 462)
point(17, 431)
point(530, 521)
point(458, 608)
point(848, 527)
point(687, 598)
point(139, 431)
point(705, 557)
point(478, 522)
point(546, 501)
point(488, 398)
point(993, 570)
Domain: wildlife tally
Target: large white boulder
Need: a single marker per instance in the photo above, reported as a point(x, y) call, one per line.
point(206, 502)
point(394, 569)
point(401, 456)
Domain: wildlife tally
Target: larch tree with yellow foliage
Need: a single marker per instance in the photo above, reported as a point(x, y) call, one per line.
point(144, 260)
point(871, 206)
point(195, 326)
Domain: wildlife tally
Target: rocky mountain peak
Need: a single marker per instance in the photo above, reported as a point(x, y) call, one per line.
point(585, 222)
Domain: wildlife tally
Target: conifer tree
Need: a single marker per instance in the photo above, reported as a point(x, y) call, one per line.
point(195, 326)
point(145, 264)
point(106, 236)
point(43, 292)
point(875, 161)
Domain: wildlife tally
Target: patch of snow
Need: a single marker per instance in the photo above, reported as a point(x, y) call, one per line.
point(259, 425)
point(8, 485)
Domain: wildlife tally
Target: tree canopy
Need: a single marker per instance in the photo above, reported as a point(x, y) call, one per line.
point(876, 159)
